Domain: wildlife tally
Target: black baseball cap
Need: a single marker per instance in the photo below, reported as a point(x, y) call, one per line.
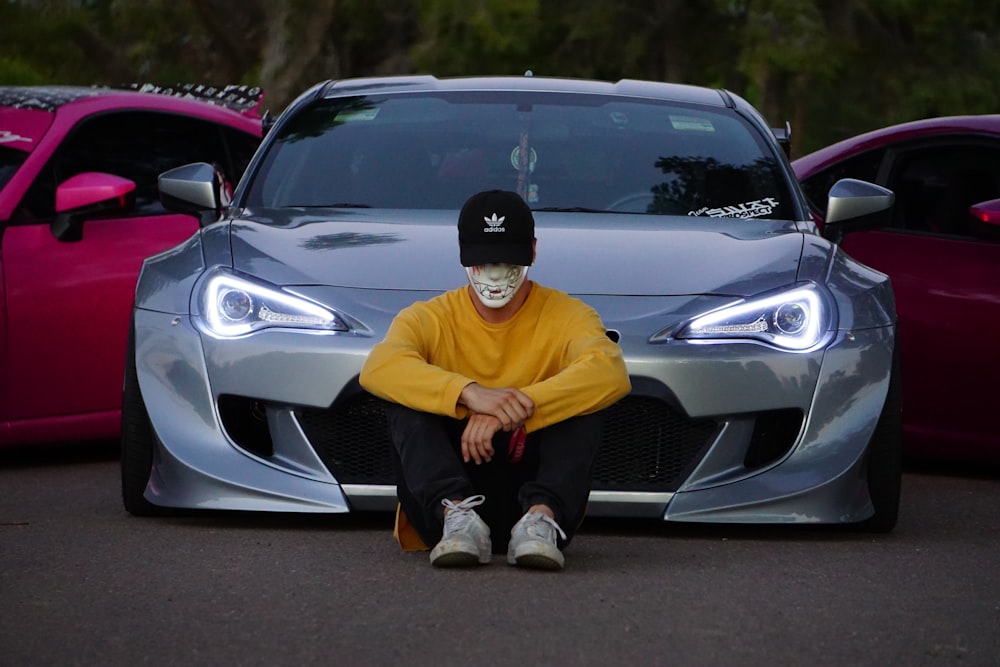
point(496, 227)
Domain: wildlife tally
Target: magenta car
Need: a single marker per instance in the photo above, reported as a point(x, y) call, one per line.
point(79, 212)
point(941, 249)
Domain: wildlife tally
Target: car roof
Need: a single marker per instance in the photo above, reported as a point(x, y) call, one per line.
point(242, 99)
point(625, 87)
point(927, 127)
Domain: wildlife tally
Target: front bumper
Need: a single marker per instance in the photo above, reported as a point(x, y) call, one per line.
point(816, 476)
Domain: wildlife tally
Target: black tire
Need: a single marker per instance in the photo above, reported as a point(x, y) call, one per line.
point(885, 457)
point(136, 440)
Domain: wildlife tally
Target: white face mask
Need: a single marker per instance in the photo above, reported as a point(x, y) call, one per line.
point(496, 284)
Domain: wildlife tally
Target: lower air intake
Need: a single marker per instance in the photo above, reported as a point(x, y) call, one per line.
point(647, 445)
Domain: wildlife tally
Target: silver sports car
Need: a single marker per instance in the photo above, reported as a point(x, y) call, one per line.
point(762, 358)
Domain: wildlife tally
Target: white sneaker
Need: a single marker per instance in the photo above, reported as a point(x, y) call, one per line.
point(533, 543)
point(466, 538)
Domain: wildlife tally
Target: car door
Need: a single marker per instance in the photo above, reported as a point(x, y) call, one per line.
point(68, 302)
point(946, 278)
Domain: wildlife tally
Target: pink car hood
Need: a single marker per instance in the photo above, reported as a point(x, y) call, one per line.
point(22, 129)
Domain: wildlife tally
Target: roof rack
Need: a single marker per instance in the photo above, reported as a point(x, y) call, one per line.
point(245, 99)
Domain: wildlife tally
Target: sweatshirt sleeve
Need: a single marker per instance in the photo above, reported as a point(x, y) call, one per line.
point(593, 378)
point(397, 368)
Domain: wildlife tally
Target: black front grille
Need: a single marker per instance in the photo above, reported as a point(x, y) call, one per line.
point(647, 445)
point(352, 438)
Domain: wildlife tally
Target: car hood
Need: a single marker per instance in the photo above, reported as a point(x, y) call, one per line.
point(22, 129)
point(580, 253)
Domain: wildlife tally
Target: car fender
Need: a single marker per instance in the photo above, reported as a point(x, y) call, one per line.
point(166, 280)
point(864, 296)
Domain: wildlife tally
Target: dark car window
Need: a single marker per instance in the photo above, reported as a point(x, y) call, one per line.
point(10, 161)
point(241, 147)
point(862, 167)
point(138, 145)
point(936, 185)
point(580, 152)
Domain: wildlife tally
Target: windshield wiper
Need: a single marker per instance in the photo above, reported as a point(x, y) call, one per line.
point(340, 205)
point(572, 209)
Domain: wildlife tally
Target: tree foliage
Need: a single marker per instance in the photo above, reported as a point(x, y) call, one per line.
point(831, 67)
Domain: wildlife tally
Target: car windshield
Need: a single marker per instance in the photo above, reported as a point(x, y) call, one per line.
point(10, 162)
point(560, 151)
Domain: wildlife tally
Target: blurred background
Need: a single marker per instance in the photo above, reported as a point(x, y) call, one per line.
point(832, 68)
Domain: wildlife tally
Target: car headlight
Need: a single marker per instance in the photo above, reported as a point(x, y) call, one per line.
point(234, 306)
point(798, 319)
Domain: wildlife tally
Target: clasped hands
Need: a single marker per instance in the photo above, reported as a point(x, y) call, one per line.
point(491, 410)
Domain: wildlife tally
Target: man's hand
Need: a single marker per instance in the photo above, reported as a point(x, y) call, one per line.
point(477, 438)
point(509, 405)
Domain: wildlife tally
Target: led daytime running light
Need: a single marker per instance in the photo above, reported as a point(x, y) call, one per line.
point(269, 315)
point(234, 306)
point(797, 319)
point(756, 326)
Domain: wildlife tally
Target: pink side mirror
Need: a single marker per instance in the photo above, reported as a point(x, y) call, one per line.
point(93, 187)
point(86, 196)
point(986, 211)
point(986, 220)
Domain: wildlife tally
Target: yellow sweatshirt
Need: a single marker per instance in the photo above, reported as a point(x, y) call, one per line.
point(554, 349)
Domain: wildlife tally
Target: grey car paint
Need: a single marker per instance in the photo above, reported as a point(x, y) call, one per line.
point(200, 468)
point(661, 271)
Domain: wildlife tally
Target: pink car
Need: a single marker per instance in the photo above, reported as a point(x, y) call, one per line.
point(79, 212)
point(942, 252)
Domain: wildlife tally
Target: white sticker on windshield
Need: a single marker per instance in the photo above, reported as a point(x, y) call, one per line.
point(7, 137)
point(691, 123)
point(515, 158)
point(757, 208)
point(350, 115)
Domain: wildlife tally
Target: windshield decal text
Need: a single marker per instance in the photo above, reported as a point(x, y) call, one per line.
point(752, 209)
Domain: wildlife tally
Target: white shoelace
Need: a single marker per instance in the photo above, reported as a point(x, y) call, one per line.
point(459, 514)
point(533, 525)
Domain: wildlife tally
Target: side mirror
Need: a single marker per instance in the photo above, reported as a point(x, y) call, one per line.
point(197, 189)
point(986, 216)
point(784, 137)
point(267, 121)
point(89, 195)
point(854, 206)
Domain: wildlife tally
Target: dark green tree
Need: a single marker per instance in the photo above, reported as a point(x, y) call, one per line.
point(832, 67)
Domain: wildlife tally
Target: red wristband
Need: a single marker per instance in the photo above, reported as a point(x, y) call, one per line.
point(516, 448)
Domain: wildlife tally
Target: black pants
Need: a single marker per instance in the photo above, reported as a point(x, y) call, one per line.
point(555, 471)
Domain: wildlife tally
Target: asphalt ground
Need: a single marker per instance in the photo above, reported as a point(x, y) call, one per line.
point(84, 583)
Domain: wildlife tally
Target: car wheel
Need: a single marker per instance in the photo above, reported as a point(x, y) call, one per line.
point(885, 458)
point(136, 440)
